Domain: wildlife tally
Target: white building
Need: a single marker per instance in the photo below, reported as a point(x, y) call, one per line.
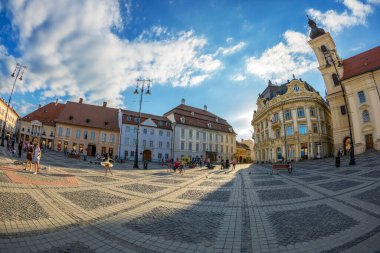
point(199, 134)
point(155, 136)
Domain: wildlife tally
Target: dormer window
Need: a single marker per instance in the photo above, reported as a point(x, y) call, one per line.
point(192, 114)
point(182, 119)
point(217, 120)
point(128, 118)
point(160, 123)
point(136, 120)
point(209, 125)
point(88, 120)
point(168, 124)
point(45, 110)
point(296, 88)
point(230, 129)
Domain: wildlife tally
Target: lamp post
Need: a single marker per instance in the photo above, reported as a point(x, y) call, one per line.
point(140, 84)
point(17, 69)
point(330, 60)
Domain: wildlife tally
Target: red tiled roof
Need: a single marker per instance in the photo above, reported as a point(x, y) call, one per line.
point(144, 116)
point(89, 116)
point(242, 145)
point(200, 119)
point(10, 108)
point(46, 114)
point(361, 63)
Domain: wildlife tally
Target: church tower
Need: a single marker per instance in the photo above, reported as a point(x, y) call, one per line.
point(331, 68)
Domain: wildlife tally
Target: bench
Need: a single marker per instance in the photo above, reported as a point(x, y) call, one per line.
point(282, 166)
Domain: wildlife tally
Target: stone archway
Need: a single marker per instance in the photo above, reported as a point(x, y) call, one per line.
point(147, 155)
point(346, 145)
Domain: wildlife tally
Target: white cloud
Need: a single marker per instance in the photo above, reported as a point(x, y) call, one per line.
point(356, 14)
point(293, 56)
point(72, 50)
point(373, 1)
point(230, 50)
point(229, 39)
point(241, 121)
point(238, 77)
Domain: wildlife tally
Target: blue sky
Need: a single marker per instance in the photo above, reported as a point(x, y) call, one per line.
point(215, 53)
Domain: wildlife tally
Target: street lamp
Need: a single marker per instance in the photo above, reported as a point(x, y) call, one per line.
point(330, 60)
point(17, 69)
point(140, 85)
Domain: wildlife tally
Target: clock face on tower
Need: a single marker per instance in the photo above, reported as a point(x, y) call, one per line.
point(296, 88)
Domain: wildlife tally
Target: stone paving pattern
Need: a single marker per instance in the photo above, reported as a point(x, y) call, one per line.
point(73, 207)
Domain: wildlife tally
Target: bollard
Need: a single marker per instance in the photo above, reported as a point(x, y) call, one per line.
point(337, 161)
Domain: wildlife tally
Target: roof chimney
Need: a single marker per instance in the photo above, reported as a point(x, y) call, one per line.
point(56, 102)
point(205, 107)
point(81, 101)
point(104, 104)
point(183, 101)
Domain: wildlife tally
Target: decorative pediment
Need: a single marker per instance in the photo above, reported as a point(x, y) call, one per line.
point(149, 122)
point(36, 123)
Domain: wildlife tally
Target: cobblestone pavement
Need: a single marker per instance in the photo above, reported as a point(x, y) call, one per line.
point(72, 207)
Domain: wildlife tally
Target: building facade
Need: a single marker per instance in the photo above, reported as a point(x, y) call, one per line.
point(155, 136)
point(87, 129)
point(251, 146)
point(40, 124)
point(352, 87)
point(200, 134)
point(12, 117)
point(292, 122)
point(243, 153)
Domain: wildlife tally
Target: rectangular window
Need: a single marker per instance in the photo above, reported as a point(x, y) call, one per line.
point(288, 114)
point(85, 135)
point(77, 135)
point(300, 113)
point(182, 145)
point(145, 131)
point(151, 144)
point(315, 128)
point(190, 134)
point(59, 131)
point(104, 137)
point(312, 112)
point(277, 133)
point(190, 146)
point(67, 132)
point(159, 156)
point(289, 130)
point(160, 144)
point(132, 153)
point(221, 149)
point(112, 138)
point(168, 134)
point(134, 142)
point(92, 136)
point(221, 139)
point(361, 97)
point(210, 137)
point(197, 147)
point(144, 143)
point(168, 145)
point(275, 118)
point(166, 156)
point(210, 147)
point(183, 133)
point(127, 129)
point(216, 147)
point(343, 110)
point(160, 133)
point(126, 141)
point(303, 129)
point(151, 131)
point(204, 147)
point(125, 154)
point(197, 135)
point(204, 136)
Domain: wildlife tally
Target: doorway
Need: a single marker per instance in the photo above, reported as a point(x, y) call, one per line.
point(346, 145)
point(368, 141)
point(147, 155)
point(91, 150)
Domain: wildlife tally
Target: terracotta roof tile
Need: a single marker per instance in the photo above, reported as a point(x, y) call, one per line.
point(46, 114)
point(95, 116)
point(145, 116)
point(361, 63)
point(200, 118)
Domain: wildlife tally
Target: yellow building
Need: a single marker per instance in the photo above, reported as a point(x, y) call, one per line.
point(12, 117)
point(356, 82)
point(40, 124)
point(251, 146)
point(243, 153)
point(292, 122)
point(87, 129)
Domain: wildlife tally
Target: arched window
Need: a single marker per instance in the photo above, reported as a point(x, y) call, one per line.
point(323, 48)
point(335, 79)
point(365, 115)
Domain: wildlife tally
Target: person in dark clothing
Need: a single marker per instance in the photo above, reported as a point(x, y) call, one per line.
point(20, 146)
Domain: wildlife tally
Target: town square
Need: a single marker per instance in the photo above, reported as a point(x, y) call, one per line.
point(178, 126)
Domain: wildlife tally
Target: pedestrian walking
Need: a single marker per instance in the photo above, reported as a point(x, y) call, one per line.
point(20, 145)
point(107, 164)
point(29, 156)
point(233, 164)
point(36, 158)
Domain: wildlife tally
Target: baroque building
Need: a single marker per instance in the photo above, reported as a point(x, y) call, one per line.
point(12, 118)
point(292, 122)
point(155, 136)
point(199, 134)
point(352, 87)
